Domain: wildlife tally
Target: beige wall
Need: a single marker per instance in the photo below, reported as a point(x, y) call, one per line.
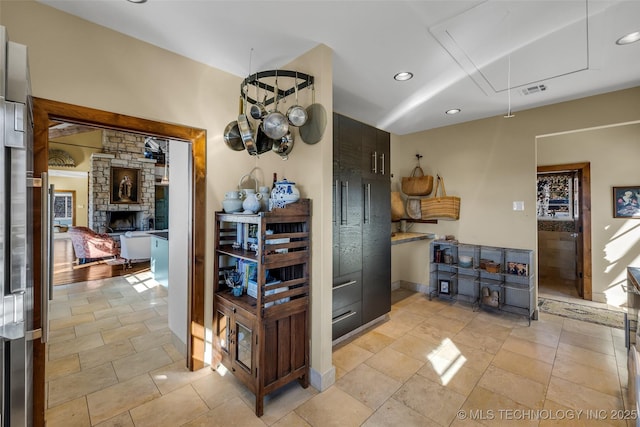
point(78, 62)
point(613, 154)
point(80, 188)
point(492, 162)
point(80, 147)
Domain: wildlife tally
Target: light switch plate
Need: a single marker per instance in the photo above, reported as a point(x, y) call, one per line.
point(518, 206)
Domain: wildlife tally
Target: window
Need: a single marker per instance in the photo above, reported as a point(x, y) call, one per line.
point(63, 208)
point(557, 196)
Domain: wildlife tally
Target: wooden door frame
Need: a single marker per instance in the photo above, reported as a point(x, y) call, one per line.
point(44, 113)
point(584, 172)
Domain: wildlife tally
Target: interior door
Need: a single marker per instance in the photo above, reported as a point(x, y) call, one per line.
point(564, 253)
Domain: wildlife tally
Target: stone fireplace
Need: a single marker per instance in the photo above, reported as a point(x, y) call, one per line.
point(122, 150)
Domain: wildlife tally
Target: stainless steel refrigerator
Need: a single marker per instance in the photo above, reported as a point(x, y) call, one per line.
point(17, 330)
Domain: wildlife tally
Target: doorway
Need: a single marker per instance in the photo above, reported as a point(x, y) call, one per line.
point(47, 112)
point(91, 156)
point(564, 230)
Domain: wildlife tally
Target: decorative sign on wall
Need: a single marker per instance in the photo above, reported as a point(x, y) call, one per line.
point(61, 159)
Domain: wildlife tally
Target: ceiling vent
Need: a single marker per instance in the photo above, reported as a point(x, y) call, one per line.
point(533, 89)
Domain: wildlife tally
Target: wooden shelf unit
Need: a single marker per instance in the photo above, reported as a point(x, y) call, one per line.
point(264, 339)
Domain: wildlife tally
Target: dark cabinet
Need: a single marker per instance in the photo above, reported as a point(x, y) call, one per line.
point(376, 244)
point(347, 220)
point(375, 160)
point(162, 208)
point(361, 225)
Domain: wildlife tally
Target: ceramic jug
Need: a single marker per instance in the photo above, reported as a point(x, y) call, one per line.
point(232, 202)
point(251, 203)
point(285, 192)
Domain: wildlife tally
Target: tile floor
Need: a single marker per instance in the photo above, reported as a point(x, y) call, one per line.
point(111, 363)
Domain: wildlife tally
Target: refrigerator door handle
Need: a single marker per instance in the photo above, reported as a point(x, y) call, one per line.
point(47, 192)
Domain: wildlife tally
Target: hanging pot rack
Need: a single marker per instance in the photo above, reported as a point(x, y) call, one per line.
point(302, 81)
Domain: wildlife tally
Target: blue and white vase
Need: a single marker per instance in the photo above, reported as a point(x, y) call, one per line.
point(285, 192)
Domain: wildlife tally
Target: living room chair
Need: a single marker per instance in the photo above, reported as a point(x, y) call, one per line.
point(135, 247)
point(91, 246)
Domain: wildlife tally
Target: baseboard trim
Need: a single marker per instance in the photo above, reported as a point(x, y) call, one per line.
point(322, 381)
point(412, 286)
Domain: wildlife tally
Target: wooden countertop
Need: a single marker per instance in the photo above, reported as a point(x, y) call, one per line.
point(397, 238)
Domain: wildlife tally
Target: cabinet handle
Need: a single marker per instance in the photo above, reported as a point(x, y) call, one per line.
point(344, 207)
point(367, 205)
point(336, 204)
point(343, 317)
point(346, 202)
point(382, 163)
point(349, 283)
point(374, 157)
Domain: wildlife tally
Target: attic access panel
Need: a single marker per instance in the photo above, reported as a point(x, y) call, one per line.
point(538, 40)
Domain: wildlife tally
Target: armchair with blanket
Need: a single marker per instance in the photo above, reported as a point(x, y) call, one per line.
point(91, 246)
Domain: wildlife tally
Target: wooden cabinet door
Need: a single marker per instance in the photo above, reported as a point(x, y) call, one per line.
point(347, 196)
point(222, 335)
point(375, 161)
point(376, 244)
point(243, 348)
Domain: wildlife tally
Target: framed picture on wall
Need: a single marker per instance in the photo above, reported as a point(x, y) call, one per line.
point(443, 287)
point(626, 202)
point(125, 185)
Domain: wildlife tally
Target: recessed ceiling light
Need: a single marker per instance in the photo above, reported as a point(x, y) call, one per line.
point(405, 75)
point(453, 111)
point(629, 38)
point(137, 1)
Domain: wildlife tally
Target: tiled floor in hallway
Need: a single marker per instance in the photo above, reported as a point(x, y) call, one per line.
point(112, 363)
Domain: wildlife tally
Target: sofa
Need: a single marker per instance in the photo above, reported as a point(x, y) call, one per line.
point(90, 246)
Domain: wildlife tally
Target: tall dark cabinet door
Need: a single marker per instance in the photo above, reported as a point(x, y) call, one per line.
point(361, 225)
point(376, 232)
point(347, 196)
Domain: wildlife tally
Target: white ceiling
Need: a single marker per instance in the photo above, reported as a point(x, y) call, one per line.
point(464, 53)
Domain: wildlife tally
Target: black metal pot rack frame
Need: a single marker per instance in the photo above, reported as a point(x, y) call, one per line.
point(254, 79)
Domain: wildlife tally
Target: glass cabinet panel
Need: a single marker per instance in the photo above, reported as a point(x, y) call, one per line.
point(223, 331)
point(243, 348)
